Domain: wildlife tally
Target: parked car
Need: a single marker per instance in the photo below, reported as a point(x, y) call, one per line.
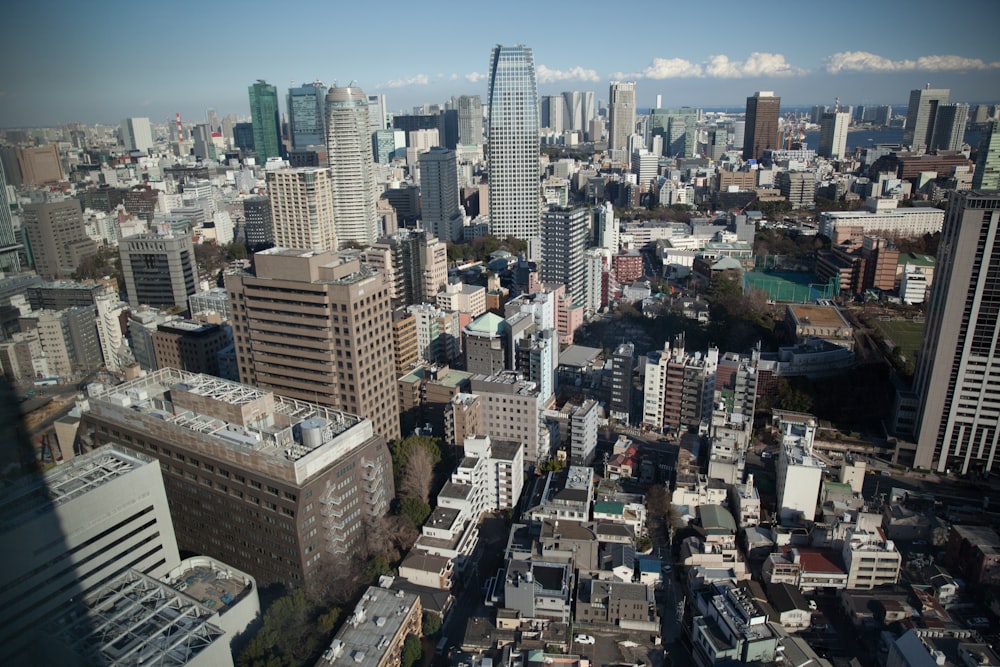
point(583, 639)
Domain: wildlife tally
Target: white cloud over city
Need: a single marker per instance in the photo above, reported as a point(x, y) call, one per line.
point(864, 61)
point(415, 80)
point(548, 75)
point(715, 67)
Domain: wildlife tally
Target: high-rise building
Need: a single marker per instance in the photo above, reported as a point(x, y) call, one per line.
point(57, 237)
point(987, 176)
point(645, 166)
point(513, 143)
point(833, 134)
point(352, 172)
point(190, 346)
point(160, 270)
point(413, 263)
point(621, 118)
point(306, 115)
point(622, 369)
point(265, 114)
point(9, 247)
point(377, 112)
point(761, 131)
point(470, 119)
point(68, 338)
point(388, 144)
point(89, 519)
point(110, 312)
point(316, 326)
point(136, 134)
point(275, 486)
point(39, 165)
point(678, 127)
point(258, 226)
point(565, 237)
point(302, 208)
point(440, 202)
point(579, 110)
point(203, 148)
point(243, 137)
point(553, 109)
point(958, 423)
point(949, 127)
point(921, 115)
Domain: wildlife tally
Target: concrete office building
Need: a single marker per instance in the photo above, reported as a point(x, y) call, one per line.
point(56, 237)
point(579, 111)
point(949, 127)
point(111, 312)
point(921, 116)
point(513, 144)
point(276, 486)
point(761, 130)
point(565, 236)
point(302, 208)
point(833, 135)
point(9, 247)
point(799, 473)
point(316, 326)
point(621, 118)
point(160, 270)
point(388, 144)
point(352, 172)
point(258, 226)
point(413, 263)
point(39, 165)
point(958, 428)
point(377, 112)
point(470, 119)
point(136, 134)
point(440, 202)
point(75, 526)
point(987, 175)
point(189, 346)
point(307, 115)
point(677, 129)
point(265, 115)
point(884, 220)
point(68, 338)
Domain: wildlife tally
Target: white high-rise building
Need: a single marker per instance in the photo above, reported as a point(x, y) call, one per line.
point(352, 170)
point(513, 144)
point(109, 330)
point(137, 135)
point(958, 424)
point(302, 208)
point(607, 227)
point(833, 134)
point(579, 110)
point(621, 117)
point(441, 208)
point(594, 262)
point(799, 472)
point(377, 111)
point(921, 115)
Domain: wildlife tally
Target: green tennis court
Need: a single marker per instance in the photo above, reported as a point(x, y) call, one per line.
point(787, 286)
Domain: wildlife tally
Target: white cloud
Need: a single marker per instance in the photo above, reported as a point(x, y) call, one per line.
point(548, 75)
point(864, 61)
point(475, 77)
point(415, 80)
point(716, 67)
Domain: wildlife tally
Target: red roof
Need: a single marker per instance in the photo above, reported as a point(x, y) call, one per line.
point(818, 560)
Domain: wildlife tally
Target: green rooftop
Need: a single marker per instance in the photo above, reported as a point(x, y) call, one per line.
point(716, 520)
point(915, 259)
point(487, 323)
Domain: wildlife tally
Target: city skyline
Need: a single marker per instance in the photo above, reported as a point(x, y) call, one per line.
point(163, 72)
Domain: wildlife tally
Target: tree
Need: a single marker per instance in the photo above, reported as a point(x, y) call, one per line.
point(236, 251)
point(418, 475)
point(431, 624)
point(377, 566)
point(415, 510)
point(287, 635)
point(552, 465)
point(401, 450)
point(411, 651)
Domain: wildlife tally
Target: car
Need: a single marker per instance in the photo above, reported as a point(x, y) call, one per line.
point(886, 473)
point(583, 639)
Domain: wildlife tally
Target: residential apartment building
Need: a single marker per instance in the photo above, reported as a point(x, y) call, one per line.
point(463, 298)
point(376, 630)
point(730, 627)
point(56, 236)
point(511, 409)
point(276, 486)
point(799, 473)
point(870, 559)
point(316, 326)
point(301, 209)
point(414, 264)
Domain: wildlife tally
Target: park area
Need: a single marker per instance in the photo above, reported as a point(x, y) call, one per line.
point(787, 286)
point(904, 334)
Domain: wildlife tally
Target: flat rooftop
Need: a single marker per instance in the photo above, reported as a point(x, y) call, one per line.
point(238, 415)
point(820, 316)
point(371, 628)
point(216, 589)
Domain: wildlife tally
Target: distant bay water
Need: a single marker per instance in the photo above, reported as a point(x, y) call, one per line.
point(865, 138)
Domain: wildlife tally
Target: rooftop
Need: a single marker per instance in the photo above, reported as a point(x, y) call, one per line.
point(371, 628)
point(815, 315)
point(487, 323)
point(578, 356)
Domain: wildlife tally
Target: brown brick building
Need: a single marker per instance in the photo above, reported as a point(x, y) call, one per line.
point(189, 345)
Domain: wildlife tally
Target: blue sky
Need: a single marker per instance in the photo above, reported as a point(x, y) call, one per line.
point(102, 61)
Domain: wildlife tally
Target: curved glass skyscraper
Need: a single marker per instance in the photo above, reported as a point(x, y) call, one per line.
point(352, 173)
point(512, 143)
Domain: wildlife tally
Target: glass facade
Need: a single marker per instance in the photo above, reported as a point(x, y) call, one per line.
point(266, 121)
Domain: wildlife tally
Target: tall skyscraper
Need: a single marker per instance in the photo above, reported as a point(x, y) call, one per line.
point(137, 135)
point(922, 115)
point(513, 144)
point(833, 134)
point(439, 194)
point(302, 208)
point(565, 236)
point(579, 110)
point(352, 170)
point(56, 237)
point(987, 176)
point(306, 115)
point(315, 326)
point(470, 119)
point(678, 127)
point(958, 422)
point(553, 108)
point(377, 112)
point(9, 247)
point(949, 127)
point(621, 118)
point(160, 270)
point(761, 131)
point(258, 226)
point(265, 116)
